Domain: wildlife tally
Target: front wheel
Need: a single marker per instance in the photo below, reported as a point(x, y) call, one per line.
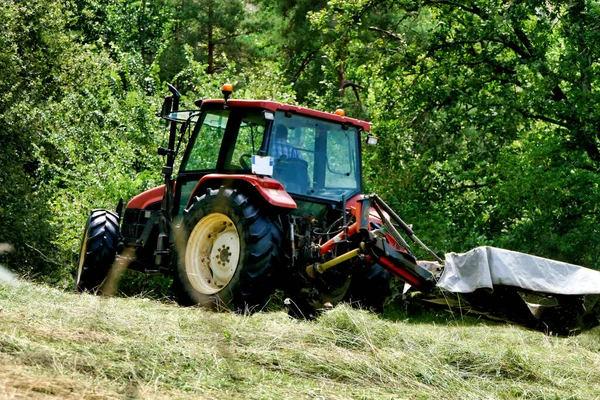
point(98, 250)
point(226, 250)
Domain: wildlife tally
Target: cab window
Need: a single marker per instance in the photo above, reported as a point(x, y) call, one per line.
point(205, 150)
point(315, 157)
point(249, 139)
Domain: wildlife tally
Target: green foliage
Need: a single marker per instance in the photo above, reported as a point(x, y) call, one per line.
point(33, 42)
point(137, 26)
point(108, 151)
point(454, 89)
point(263, 81)
point(549, 200)
point(216, 33)
point(78, 133)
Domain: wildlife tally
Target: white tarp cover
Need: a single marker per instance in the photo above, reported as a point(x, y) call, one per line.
point(484, 267)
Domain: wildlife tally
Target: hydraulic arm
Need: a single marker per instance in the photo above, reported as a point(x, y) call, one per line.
point(384, 246)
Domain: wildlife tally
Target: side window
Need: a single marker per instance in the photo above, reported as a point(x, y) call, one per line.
point(303, 138)
point(206, 147)
point(249, 139)
point(341, 163)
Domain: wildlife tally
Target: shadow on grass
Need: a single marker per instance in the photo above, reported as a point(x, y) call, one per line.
point(158, 287)
point(414, 312)
point(138, 284)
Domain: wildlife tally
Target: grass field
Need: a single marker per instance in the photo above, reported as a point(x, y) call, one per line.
point(59, 345)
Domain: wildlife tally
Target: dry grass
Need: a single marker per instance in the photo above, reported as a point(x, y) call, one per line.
point(62, 345)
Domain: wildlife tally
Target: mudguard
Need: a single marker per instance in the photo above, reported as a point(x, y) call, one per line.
point(270, 189)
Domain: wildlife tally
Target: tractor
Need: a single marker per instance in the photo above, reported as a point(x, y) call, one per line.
point(268, 196)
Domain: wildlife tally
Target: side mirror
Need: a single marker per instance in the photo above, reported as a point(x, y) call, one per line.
point(171, 103)
point(166, 107)
point(371, 140)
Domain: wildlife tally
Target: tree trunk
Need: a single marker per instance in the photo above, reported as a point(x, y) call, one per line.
point(211, 43)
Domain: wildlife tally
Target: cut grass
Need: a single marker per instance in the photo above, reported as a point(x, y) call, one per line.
point(62, 345)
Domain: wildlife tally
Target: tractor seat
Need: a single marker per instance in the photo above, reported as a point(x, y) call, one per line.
point(292, 173)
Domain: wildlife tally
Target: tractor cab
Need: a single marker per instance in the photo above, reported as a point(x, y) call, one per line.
point(314, 155)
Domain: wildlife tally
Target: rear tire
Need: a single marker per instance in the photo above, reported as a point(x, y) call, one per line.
point(226, 249)
point(98, 250)
point(370, 288)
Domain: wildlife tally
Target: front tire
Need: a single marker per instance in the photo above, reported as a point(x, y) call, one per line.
point(226, 249)
point(98, 250)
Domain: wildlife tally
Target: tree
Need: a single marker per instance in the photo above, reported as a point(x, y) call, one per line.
point(129, 25)
point(76, 133)
point(212, 29)
point(33, 42)
point(465, 93)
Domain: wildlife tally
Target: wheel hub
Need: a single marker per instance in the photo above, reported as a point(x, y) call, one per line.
point(224, 254)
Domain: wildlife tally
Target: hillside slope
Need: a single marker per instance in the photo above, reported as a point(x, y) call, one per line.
point(62, 345)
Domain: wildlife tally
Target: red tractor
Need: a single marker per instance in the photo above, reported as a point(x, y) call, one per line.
point(268, 196)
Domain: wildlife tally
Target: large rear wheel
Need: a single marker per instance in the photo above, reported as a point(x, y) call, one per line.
point(226, 249)
point(98, 250)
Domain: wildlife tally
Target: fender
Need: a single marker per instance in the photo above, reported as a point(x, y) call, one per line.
point(144, 199)
point(270, 189)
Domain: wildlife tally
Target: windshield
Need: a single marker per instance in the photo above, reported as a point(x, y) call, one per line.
point(225, 140)
point(314, 157)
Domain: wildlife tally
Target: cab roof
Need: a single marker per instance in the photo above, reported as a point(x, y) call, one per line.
point(276, 106)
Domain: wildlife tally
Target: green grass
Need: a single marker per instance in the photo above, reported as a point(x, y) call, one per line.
point(62, 345)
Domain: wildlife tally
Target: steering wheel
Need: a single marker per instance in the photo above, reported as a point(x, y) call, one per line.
point(244, 163)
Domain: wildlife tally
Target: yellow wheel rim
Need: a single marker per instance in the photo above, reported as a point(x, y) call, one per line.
point(212, 253)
